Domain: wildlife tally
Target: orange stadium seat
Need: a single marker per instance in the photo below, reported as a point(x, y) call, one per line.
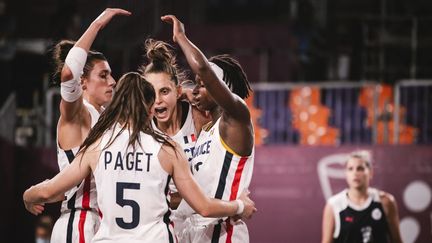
point(385, 114)
point(260, 132)
point(310, 117)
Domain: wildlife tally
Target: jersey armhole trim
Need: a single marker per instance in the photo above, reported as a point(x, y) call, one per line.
point(228, 148)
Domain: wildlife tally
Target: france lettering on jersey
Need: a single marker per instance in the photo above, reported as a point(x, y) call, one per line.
point(219, 171)
point(186, 136)
point(133, 189)
point(366, 224)
point(82, 197)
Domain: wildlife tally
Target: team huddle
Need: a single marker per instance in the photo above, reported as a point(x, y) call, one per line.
point(124, 175)
point(155, 157)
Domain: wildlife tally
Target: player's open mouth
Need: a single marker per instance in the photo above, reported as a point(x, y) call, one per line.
point(160, 111)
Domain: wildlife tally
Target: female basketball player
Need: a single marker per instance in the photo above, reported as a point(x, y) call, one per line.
point(173, 115)
point(132, 166)
point(86, 86)
point(224, 153)
point(360, 213)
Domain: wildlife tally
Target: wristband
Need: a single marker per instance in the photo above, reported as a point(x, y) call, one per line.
point(71, 90)
point(240, 207)
point(76, 60)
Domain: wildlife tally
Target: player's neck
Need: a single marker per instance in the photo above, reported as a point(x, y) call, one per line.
point(358, 196)
point(93, 103)
point(173, 125)
point(215, 114)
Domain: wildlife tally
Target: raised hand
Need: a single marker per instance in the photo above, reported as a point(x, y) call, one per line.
point(178, 26)
point(249, 208)
point(106, 16)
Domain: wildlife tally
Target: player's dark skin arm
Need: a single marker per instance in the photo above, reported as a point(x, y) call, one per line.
point(235, 127)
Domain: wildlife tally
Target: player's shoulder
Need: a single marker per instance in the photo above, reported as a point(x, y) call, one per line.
point(170, 147)
point(386, 198)
point(338, 201)
point(338, 196)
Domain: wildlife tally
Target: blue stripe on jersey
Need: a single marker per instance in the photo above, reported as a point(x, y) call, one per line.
point(69, 155)
point(71, 206)
point(216, 233)
point(223, 175)
point(70, 203)
point(167, 185)
point(220, 190)
point(166, 217)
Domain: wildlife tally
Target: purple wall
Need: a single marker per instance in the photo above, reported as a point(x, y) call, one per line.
point(290, 198)
point(286, 188)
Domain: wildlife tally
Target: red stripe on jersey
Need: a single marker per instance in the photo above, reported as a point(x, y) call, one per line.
point(85, 206)
point(100, 213)
point(229, 230)
point(236, 182)
point(234, 190)
point(193, 137)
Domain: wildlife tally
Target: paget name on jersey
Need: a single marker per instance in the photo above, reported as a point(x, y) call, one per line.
point(130, 161)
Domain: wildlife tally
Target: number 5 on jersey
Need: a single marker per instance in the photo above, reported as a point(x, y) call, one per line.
point(121, 186)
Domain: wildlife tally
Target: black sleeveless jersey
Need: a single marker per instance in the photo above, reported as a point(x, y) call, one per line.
point(354, 224)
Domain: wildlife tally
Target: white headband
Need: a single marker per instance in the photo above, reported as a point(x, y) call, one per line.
point(217, 70)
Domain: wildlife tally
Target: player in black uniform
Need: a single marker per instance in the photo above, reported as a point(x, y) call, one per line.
point(360, 213)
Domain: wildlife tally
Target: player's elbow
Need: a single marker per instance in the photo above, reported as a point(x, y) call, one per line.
point(66, 74)
point(201, 68)
point(204, 211)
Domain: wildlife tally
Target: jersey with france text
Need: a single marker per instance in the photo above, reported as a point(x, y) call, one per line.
point(82, 196)
point(134, 190)
point(219, 171)
point(185, 137)
point(359, 224)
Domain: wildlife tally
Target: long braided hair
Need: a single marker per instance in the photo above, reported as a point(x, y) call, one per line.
point(234, 76)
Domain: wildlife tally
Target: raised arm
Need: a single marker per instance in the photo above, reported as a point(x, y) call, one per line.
point(70, 76)
point(194, 196)
point(328, 224)
point(53, 190)
point(233, 105)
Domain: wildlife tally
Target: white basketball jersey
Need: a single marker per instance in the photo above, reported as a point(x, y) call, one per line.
point(133, 189)
point(82, 196)
point(220, 172)
point(186, 136)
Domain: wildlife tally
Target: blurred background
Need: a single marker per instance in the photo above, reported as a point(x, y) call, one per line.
point(329, 77)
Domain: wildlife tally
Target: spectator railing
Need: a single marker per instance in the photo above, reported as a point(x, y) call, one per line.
point(8, 118)
point(326, 113)
point(416, 97)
